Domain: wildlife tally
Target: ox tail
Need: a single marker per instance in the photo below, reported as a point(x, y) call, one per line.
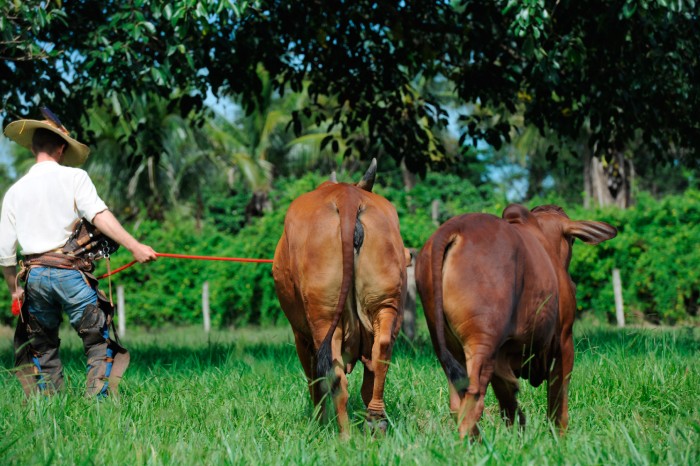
point(456, 373)
point(351, 238)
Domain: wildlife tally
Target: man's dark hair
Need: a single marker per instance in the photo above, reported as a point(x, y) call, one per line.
point(47, 141)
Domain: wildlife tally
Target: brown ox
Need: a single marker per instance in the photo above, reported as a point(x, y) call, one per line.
point(342, 241)
point(503, 288)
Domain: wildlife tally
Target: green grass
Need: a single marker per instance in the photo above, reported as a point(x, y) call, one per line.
point(239, 397)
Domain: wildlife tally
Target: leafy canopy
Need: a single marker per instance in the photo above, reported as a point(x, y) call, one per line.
point(620, 69)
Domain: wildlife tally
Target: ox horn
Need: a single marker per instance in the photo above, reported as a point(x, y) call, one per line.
point(333, 177)
point(367, 181)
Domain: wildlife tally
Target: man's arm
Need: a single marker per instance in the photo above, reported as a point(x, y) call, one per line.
point(108, 224)
point(10, 273)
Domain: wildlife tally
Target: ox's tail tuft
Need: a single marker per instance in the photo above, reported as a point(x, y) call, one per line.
point(456, 373)
point(324, 365)
point(454, 370)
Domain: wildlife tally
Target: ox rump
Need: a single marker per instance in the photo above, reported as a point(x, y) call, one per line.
point(340, 276)
point(500, 304)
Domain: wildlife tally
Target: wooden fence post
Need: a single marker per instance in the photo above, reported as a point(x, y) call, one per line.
point(617, 290)
point(205, 307)
point(435, 212)
point(409, 306)
point(121, 312)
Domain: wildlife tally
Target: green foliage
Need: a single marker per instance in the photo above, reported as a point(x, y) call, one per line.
point(239, 397)
point(28, 55)
point(656, 252)
point(620, 68)
point(5, 179)
point(454, 196)
point(151, 160)
point(227, 212)
point(170, 290)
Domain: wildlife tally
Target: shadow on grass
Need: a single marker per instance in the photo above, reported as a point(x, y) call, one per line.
point(205, 355)
point(637, 341)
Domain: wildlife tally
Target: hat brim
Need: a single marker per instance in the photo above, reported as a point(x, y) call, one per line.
point(21, 132)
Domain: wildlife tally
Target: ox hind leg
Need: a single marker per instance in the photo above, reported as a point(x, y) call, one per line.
point(479, 369)
point(505, 386)
point(339, 384)
point(331, 374)
point(558, 383)
point(374, 378)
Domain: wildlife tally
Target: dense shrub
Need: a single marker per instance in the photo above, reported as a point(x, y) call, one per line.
point(657, 254)
point(454, 195)
point(655, 250)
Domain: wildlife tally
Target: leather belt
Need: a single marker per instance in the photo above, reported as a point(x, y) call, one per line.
point(58, 260)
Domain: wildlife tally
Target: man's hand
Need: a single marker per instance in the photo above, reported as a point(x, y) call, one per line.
point(17, 300)
point(18, 294)
point(110, 226)
point(143, 253)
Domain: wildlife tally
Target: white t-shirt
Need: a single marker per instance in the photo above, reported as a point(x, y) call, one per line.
point(40, 209)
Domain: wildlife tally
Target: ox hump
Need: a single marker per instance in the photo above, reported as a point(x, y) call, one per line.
point(516, 213)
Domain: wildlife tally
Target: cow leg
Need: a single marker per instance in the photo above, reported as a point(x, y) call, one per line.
point(455, 400)
point(472, 406)
point(367, 383)
point(334, 380)
point(340, 387)
point(307, 357)
point(506, 390)
point(385, 325)
point(558, 384)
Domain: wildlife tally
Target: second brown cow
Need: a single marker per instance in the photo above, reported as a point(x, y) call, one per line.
point(500, 304)
point(340, 276)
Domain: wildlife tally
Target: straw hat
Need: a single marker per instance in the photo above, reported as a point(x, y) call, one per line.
point(21, 131)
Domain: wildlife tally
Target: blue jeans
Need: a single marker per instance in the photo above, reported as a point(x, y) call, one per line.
point(51, 291)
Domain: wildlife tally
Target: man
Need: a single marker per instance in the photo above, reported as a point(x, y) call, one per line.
point(39, 213)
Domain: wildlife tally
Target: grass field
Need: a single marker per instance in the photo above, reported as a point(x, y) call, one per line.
point(239, 397)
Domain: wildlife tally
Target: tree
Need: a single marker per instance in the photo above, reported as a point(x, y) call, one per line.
point(621, 79)
point(149, 162)
point(548, 164)
point(622, 68)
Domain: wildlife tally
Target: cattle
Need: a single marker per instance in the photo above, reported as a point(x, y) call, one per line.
point(500, 304)
point(340, 276)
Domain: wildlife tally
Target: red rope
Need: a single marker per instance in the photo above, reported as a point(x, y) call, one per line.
point(184, 256)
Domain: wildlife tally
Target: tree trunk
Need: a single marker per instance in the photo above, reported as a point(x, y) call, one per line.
point(258, 205)
point(535, 177)
point(607, 182)
point(409, 306)
point(409, 179)
point(587, 177)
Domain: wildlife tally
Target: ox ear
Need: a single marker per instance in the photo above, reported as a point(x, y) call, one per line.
point(516, 213)
point(367, 181)
point(591, 232)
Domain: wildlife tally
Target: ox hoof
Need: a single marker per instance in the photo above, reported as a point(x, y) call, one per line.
point(376, 422)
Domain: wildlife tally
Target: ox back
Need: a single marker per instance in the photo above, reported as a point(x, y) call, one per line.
point(340, 276)
point(499, 303)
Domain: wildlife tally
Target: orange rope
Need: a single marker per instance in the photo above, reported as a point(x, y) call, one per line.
point(184, 256)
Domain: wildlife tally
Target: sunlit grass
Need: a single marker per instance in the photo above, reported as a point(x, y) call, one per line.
point(239, 397)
